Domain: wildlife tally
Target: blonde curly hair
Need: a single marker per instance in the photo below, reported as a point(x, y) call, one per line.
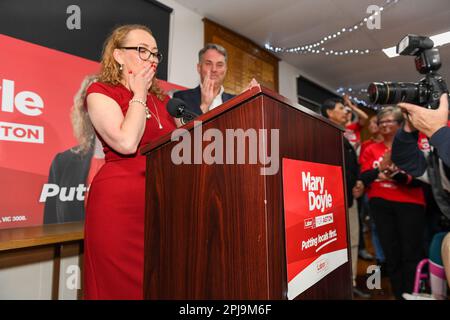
point(110, 72)
point(81, 123)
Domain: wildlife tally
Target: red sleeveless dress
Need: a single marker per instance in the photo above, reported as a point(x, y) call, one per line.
point(114, 223)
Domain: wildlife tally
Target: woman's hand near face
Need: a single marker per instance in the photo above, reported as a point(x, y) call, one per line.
point(141, 81)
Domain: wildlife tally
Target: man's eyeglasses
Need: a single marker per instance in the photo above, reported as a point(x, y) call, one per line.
point(145, 54)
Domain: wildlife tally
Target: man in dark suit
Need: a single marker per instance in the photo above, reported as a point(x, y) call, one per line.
point(212, 68)
point(334, 110)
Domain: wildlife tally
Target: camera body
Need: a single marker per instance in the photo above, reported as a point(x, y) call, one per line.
point(428, 90)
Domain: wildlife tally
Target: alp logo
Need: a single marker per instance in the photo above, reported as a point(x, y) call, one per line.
point(309, 223)
point(322, 265)
point(26, 102)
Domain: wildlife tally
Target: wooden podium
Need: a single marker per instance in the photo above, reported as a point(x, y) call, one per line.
point(217, 231)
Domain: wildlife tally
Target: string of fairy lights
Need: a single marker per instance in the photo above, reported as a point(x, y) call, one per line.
point(351, 93)
point(317, 47)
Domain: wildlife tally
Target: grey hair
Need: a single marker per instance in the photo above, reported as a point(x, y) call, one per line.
point(213, 46)
point(395, 111)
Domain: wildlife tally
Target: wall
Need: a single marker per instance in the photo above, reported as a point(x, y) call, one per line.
point(186, 39)
point(287, 80)
point(26, 282)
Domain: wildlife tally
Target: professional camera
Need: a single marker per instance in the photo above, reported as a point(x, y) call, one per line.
point(428, 90)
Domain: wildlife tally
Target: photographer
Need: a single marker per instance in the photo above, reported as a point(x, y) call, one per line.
point(429, 166)
point(425, 106)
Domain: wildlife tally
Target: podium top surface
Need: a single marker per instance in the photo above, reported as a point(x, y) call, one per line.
point(232, 103)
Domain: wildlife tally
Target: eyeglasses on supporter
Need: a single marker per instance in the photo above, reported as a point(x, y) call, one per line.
point(144, 53)
point(387, 122)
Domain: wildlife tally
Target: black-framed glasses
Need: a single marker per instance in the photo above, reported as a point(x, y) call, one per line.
point(145, 54)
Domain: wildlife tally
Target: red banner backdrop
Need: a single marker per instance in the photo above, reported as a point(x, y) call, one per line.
point(37, 86)
point(316, 236)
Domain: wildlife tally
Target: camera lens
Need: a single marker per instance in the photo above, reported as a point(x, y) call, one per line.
point(393, 92)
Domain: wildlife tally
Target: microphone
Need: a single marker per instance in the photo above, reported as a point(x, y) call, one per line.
point(177, 109)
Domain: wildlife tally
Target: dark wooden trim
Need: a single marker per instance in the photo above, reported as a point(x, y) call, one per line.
point(17, 257)
point(56, 271)
point(80, 292)
point(309, 101)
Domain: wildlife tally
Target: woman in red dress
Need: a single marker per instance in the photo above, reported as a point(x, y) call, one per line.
point(127, 110)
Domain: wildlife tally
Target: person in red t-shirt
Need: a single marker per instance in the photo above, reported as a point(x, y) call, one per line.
point(353, 128)
point(375, 136)
point(396, 202)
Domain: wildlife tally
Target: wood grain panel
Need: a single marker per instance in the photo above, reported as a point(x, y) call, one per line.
point(217, 231)
point(212, 223)
point(246, 60)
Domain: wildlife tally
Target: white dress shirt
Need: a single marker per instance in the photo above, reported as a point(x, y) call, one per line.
point(217, 100)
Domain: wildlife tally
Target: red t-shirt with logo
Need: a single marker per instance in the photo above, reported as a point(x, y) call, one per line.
point(387, 189)
point(353, 133)
point(424, 144)
point(423, 141)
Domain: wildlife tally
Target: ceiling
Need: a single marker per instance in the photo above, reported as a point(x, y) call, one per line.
point(290, 23)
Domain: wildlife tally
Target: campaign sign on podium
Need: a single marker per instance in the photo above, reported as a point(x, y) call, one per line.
point(314, 208)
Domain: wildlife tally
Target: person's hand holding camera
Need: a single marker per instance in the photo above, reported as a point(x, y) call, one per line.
point(427, 121)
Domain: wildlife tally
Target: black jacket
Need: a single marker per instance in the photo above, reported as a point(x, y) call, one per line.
point(351, 169)
point(408, 157)
point(406, 153)
point(441, 141)
point(193, 98)
point(68, 170)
